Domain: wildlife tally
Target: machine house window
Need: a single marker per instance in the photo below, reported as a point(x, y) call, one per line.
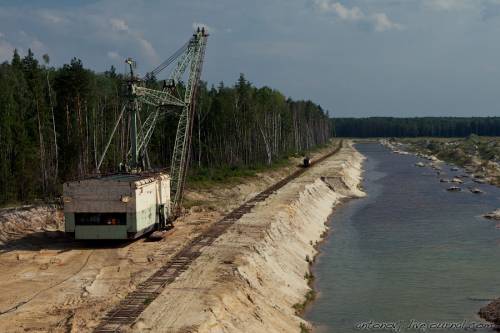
point(100, 218)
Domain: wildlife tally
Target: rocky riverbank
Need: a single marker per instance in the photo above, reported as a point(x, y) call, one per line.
point(491, 312)
point(479, 156)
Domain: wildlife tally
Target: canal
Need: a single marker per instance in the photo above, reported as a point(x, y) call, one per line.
point(411, 256)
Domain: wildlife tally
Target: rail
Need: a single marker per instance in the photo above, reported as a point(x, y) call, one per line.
point(129, 309)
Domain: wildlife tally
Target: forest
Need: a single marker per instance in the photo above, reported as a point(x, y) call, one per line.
point(416, 127)
point(55, 122)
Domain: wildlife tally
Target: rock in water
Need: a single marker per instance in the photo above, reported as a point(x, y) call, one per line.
point(495, 215)
point(454, 189)
point(491, 312)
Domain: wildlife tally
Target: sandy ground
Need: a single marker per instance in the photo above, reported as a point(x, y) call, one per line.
point(50, 283)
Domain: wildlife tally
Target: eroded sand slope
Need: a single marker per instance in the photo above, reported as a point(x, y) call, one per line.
point(250, 278)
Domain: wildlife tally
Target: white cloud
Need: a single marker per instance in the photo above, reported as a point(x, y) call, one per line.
point(379, 22)
point(38, 47)
point(344, 13)
point(148, 48)
point(486, 9)
point(114, 55)
point(118, 24)
point(382, 23)
point(6, 50)
point(208, 28)
point(22, 41)
point(121, 26)
point(51, 17)
point(451, 5)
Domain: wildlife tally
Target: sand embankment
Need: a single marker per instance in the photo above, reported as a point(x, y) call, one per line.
point(247, 281)
point(252, 276)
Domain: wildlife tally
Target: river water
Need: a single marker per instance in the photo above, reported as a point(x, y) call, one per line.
point(411, 256)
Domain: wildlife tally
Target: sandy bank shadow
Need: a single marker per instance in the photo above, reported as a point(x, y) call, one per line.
point(56, 240)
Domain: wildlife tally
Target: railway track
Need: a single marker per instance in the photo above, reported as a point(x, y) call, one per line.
point(128, 310)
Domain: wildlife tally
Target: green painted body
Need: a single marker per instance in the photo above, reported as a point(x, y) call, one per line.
point(137, 199)
point(69, 222)
point(137, 224)
point(101, 232)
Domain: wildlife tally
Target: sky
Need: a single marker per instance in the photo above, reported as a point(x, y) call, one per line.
point(355, 58)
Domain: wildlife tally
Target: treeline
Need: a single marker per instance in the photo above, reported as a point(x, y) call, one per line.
point(55, 122)
point(416, 127)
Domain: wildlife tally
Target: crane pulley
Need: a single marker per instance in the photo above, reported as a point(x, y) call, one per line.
point(188, 58)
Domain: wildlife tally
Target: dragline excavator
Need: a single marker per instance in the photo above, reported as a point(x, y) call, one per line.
point(136, 200)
